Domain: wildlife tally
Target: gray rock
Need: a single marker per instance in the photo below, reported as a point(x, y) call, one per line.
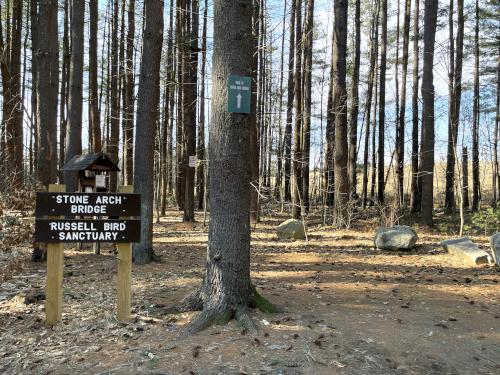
point(495, 247)
point(466, 250)
point(291, 229)
point(399, 237)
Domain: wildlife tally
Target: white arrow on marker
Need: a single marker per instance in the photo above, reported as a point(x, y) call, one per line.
point(238, 100)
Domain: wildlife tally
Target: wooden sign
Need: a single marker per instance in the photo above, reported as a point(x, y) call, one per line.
point(87, 204)
point(55, 230)
point(118, 231)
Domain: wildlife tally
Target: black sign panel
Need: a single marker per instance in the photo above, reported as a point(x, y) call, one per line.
point(87, 204)
point(56, 230)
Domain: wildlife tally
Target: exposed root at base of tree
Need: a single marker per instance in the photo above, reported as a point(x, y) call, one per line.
point(222, 313)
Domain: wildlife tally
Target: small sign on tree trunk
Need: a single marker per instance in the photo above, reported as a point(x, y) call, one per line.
point(239, 94)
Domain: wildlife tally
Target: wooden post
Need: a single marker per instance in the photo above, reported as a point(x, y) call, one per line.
point(124, 277)
point(55, 266)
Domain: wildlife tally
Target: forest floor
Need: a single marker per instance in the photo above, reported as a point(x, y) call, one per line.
point(349, 309)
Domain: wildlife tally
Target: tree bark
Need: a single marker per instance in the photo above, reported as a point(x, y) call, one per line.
point(297, 83)
point(381, 108)
point(95, 122)
point(416, 179)
point(48, 63)
point(340, 108)
point(306, 129)
point(200, 171)
point(147, 116)
point(353, 117)
point(114, 129)
point(287, 137)
point(74, 128)
point(475, 124)
point(427, 152)
point(190, 106)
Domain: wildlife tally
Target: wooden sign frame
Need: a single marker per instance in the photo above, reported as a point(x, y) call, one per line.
point(55, 270)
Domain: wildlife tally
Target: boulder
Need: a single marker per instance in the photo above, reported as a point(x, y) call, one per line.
point(466, 250)
point(291, 229)
point(399, 237)
point(495, 247)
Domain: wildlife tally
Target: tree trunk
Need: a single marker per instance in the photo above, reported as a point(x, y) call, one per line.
point(369, 95)
point(147, 116)
point(340, 108)
point(95, 123)
point(74, 128)
point(465, 179)
point(65, 84)
point(190, 106)
point(287, 138)
point(34, 77)
point(475, 125)
point(306, 130)
point(200, 171)
point(227, 291)
point(416, 179)
point(179, 35)
point(254, 130)
point(427, 152)
point(495, 175)
point(455, 89)
point(297, 83)
point(353, 118)
point(400, 163)
point(14, 121)
point(114, 130)
point(129, 96)
point(48, 63)
point(381, 106)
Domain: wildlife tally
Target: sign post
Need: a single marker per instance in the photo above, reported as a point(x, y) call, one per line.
point(55, 267)
point(53, 230)
point(239, 94)
point(124, 276)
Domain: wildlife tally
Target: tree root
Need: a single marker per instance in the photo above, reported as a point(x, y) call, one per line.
point(192, 302)
point(245, 320)
point(261, 303)
point(206, 319)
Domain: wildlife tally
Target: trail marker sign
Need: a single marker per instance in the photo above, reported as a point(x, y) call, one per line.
point(239, 94)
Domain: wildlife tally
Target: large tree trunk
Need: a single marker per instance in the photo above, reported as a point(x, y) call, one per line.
point(416, 179)
point(147, 116)
point(179, 133)
point(340, 108)
point(95, 123)
point(353, 118)
point(475, 124)
point(48, 63)
point(381, 106)
point(227, 290)
point(190, 107)
point(306, 130)
point(74, 128)
point(427, 153)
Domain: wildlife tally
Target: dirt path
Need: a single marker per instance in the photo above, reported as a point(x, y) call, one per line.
point(349, 310)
